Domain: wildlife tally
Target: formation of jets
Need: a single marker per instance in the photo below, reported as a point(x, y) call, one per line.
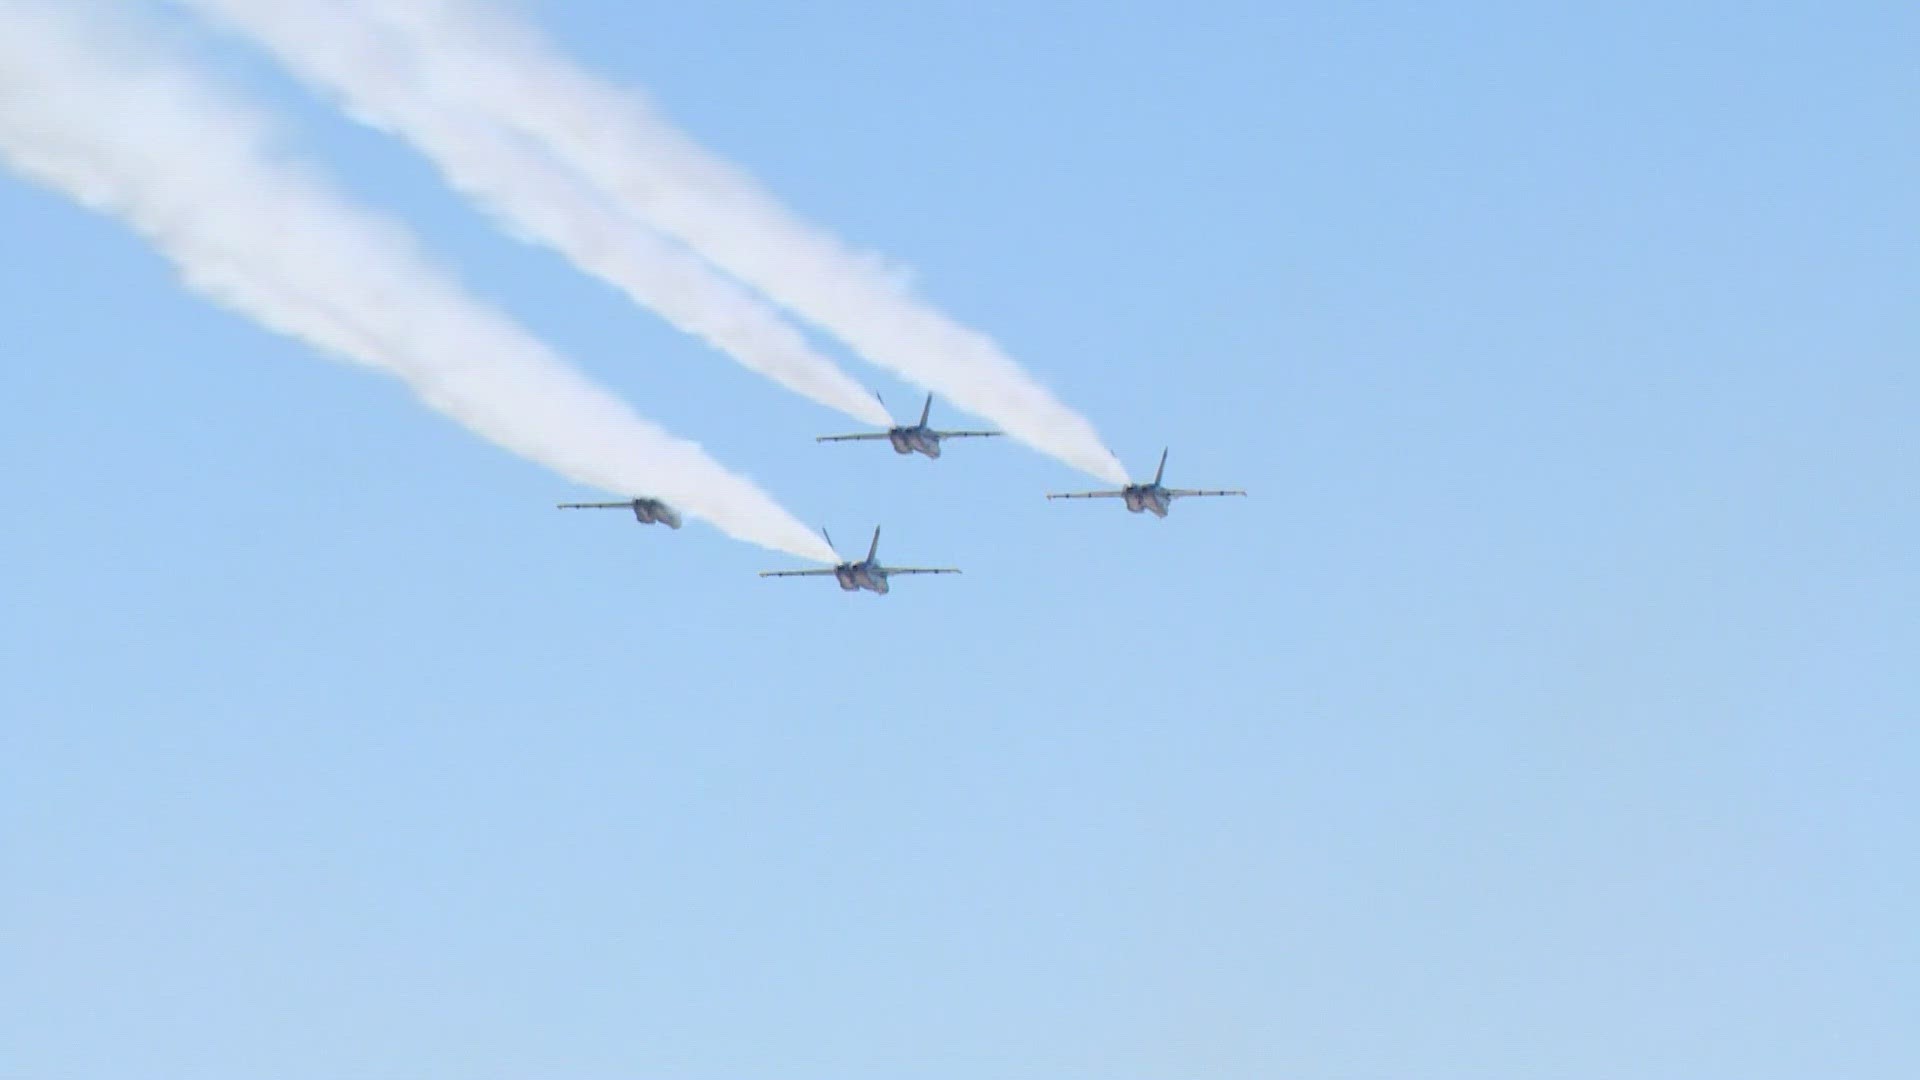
point(869, 574)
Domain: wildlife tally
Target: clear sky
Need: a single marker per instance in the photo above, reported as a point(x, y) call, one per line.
point(1548, 710)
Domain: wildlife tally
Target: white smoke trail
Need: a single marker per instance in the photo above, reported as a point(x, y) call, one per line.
point(475, 60)
point(129, 130)
point(521, 186)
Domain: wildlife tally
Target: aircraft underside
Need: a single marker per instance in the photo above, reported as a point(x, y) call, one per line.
point(904, 443)
point(856, 580)
point(1140, 501)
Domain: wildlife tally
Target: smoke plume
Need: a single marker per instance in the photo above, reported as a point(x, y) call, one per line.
point(96, 111)
point(372, 74)
point(469, 59)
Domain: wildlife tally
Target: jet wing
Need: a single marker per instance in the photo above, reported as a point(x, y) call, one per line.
point(627, 505)
point(1188, 493)
point(851, 438)
point(796, 573)
point(892, 570)
point(967, 434)
point(1090, 495)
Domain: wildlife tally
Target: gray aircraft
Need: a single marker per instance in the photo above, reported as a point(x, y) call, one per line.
point(645, 511)
point(866, 574)
point(1141, 497)
point(914, 439)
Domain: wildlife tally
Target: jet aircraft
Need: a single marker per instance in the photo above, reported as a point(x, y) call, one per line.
point(1143, 497)
point(915, 438)
point(866, 574)
point(645, 511)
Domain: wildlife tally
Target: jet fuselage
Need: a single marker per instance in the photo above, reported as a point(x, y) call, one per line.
point(856, 576)
point(1146, 497)
point(914, 440)
point(653, 511)
point(864, 575)
point(1150, 497)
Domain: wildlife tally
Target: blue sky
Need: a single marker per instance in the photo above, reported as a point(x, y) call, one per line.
point(1547, 709)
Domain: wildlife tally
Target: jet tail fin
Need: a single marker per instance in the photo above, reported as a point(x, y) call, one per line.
point(829, 536)
point(1162, 470)
point(875, 549)
point(926, 410)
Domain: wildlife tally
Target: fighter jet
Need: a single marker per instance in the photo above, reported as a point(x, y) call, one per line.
point(645, 511)
point(866, 574)
point(1152, 496)
point(918, 438)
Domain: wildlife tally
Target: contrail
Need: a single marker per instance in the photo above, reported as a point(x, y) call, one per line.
point(129, 130)
point(522, 187)
point(471, 59)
